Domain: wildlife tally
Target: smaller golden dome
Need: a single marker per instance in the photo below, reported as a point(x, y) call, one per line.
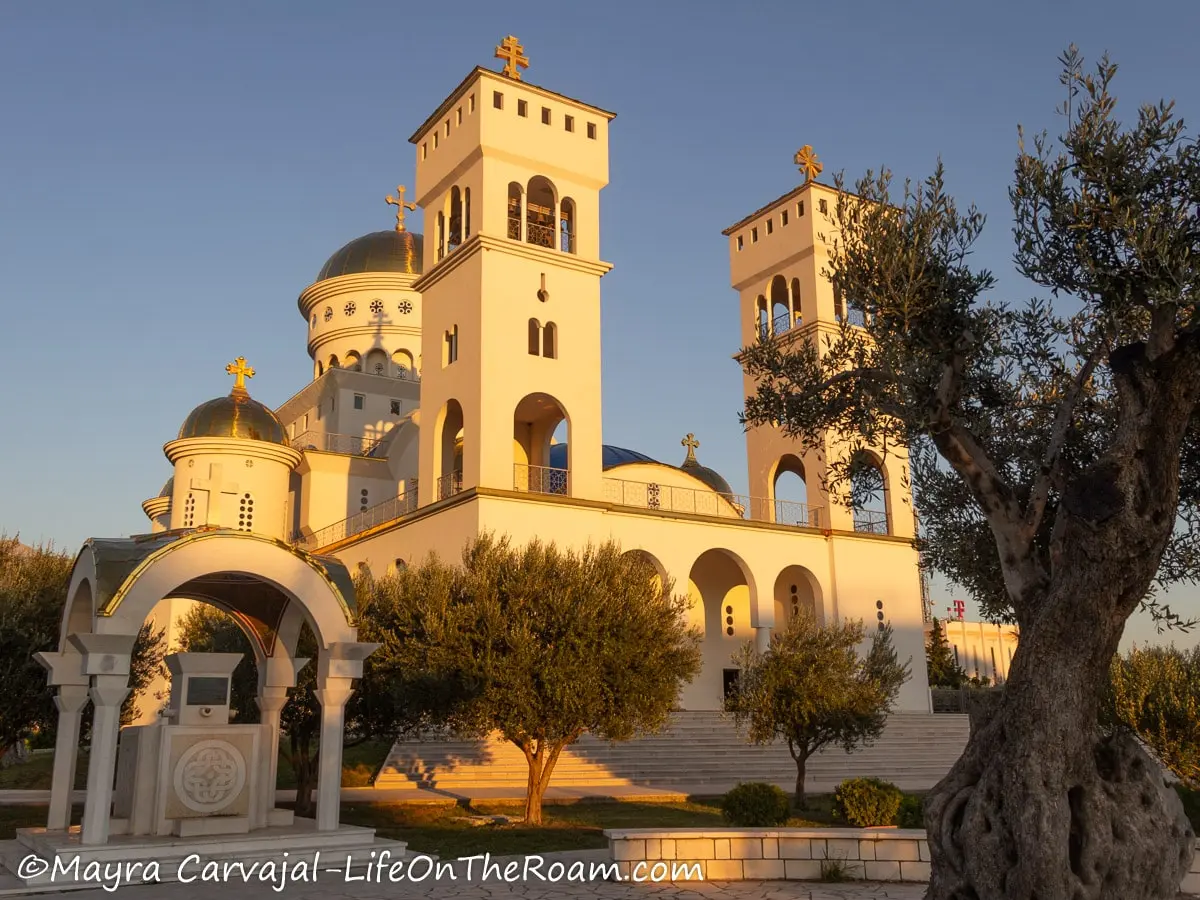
point(235, 416)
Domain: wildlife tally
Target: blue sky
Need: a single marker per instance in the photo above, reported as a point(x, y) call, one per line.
point(175, 174)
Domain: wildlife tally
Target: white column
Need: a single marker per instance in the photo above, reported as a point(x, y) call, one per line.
point(70, 700)
point(332, 696)
point(762, 638)
point(270, 703)
point(108, 692)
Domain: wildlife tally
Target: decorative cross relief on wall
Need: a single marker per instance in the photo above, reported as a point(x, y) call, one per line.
point(217, 490)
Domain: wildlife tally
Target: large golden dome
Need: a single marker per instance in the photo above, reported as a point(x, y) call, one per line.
point(380, 251)
point(235, 416)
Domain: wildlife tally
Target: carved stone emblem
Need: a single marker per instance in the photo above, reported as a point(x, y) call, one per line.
point(210, 775)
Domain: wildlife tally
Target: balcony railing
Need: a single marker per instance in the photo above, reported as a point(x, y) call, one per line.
point(360, 522)
point(350, 444)
point(781, 324)
point(646, 495)
point(870, 522)
point(541, 235)
point(449, 484)
point(539, 479)
point(514, 228)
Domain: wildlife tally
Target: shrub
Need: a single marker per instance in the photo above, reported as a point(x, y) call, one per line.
point(912, 812)
point(756, 805)
point(866, 802)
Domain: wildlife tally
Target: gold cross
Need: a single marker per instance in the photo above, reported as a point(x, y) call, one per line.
point(513, 54)
point(807, 160)
point(400, 205)
point(240, 371)
point(691, 443)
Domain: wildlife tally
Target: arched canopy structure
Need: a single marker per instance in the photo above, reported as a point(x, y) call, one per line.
point(269, 587)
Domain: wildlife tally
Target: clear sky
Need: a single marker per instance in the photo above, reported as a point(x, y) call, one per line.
point(173, 175)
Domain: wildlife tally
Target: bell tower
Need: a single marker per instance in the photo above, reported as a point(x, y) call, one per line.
point(777, 257)
point(509, 177)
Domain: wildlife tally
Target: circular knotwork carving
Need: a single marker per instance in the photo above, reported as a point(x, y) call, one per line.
point(210, 775)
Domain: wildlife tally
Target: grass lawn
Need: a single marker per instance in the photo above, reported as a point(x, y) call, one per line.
point(448, 832)
point(35, 775)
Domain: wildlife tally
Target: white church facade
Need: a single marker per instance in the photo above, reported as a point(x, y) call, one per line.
point(456, 389)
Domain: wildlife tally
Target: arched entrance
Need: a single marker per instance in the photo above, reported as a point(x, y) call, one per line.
point(272, 590)
point(536, 424)
point(722, 592)
point(448, 447)
point(789, 493)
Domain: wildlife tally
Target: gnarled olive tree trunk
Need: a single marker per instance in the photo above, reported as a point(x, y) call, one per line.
point(1043, 805)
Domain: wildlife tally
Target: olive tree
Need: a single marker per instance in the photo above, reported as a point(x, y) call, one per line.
point(539, 644)
point(812, 689)
point(1054, 453)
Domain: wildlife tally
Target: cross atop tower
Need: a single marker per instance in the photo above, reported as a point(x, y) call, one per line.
point(400, 205)
point(806, 159)
point(513, 54)
point(240, 371)
point(692, 444)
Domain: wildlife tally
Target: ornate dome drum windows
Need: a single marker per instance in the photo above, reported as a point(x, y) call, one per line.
point(328, 313)
point(377, 307)
point(405, 307)
point(349, 308)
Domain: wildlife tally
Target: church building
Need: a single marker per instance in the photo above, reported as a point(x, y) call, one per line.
point(456, 389)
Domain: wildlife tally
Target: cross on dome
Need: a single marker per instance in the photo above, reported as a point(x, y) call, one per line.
point(401, 206)
point(692, 444)
point(513, 54)
point(240, 371)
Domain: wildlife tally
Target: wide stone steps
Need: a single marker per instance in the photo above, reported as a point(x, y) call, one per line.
point(698, 750)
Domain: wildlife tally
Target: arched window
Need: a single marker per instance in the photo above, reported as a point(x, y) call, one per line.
point(441, 235)
point(402, 365)
point(550, 341)
point(333, 362)
point(539, 213)
point(353, 361)
point(514, 211)
point(566, 225)
point(466, 213)
point(868, 495)
point(781, 316)
point(797, 315)
point(456, 225)
point(535, 337)
point(376, 362)
point(762, 318)
point(450, 346)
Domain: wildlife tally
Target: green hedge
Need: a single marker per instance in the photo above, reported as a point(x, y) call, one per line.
point(866, 802)
point(756, 805)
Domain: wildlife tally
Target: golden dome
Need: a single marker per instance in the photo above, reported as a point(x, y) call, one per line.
point(235, 416)
point(380, 251)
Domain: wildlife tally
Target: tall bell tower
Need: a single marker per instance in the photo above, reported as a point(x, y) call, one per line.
point(509, 176)
point(777, 259)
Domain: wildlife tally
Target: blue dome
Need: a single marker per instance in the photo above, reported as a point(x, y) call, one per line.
point(610, 457)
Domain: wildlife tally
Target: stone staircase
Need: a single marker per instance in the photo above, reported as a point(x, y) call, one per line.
point(699, 753)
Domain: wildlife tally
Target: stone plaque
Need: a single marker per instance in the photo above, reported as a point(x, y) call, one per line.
point(207, 691)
